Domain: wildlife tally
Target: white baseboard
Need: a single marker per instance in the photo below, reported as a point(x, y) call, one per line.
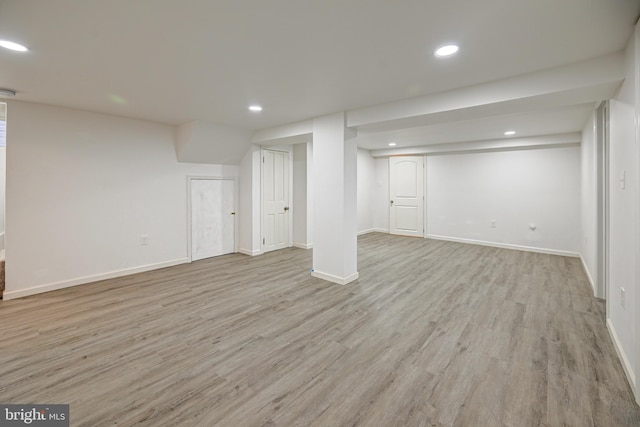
point(628, 370)
point(303, 245)
point(588, 273)
point(380, 230)
point(19, 293)
point(505, 246)
point(250, 252)
point(370, 230)
point(335, 279)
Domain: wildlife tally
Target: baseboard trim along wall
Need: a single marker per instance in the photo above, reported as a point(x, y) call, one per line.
point(588, 273)
point(303, 245)
point(89, 279)
point(335, 279)
point(370, 230)
point(626, 366)
point(250, 252)
point(505, 246)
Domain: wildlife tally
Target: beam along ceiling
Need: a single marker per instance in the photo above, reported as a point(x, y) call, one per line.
point(176, 62)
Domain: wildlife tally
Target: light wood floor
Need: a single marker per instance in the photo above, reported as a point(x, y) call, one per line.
point(432, 334)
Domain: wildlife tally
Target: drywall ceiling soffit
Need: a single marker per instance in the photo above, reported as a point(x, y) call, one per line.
point(210, 60)
point(547, 102)
point(294, 133)
point(201, 142)
point(541, 122)
point(538, 142)
point(587, 81)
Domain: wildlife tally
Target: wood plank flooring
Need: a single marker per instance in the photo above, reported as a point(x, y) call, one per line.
point(432, 334)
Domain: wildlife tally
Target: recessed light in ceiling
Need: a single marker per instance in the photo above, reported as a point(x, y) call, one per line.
point(510, 132)
point(13, 46)
point(255, 108)
point(392, 144)
point(446, 50)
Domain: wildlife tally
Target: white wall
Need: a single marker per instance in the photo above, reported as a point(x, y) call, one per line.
point(366, 188)
point(381, 195)
point(299, 199)
point(589, 200)
point(465, 192)
point(623, 244)
point(249, 203)
point(81, 190)
point(3, 165)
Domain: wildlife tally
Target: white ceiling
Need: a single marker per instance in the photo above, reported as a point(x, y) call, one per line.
point(178, 61)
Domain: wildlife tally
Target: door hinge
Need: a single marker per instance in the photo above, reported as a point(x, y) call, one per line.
point(262, 159)
point(263, 240)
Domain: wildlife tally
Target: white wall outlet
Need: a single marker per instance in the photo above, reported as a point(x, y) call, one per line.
point(623, 298)
point(493, 223)
point(144, 240)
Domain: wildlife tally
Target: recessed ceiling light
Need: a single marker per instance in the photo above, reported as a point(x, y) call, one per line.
point(255, 108)
point(13, 46)
point(510, 132)
point(392, 144)
point(447, 50)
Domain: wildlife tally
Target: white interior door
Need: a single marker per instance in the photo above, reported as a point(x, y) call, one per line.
point(212, 217)
point(406, 187)
point(275, 200)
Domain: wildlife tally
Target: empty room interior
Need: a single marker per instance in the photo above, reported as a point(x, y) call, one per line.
point(319, 213)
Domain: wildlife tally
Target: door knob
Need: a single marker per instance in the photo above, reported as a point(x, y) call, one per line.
point(233, 213)
point(286, 208)
point(392, 202)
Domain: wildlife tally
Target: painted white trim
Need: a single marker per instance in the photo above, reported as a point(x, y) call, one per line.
point(303, 245)
point(89, 279)
point(588, 273)
point(370, 230)
point(335, 279)
point(631, 376)
point(380, 230)
point(505, 246)
point(250, 252)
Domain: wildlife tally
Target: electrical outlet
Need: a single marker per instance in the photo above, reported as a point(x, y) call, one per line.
point(493, 223)
point(623, 299)
point(144, 240)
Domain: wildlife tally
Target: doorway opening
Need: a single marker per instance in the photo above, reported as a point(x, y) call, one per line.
point(3, 172)
point(602, 176)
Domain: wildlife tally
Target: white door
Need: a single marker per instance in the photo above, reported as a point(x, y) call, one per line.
point(212, 217)
point(275, 200)
point(406, 186)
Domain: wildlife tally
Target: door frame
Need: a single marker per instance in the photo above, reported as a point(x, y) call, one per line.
point(602, 197)
point(189, 208)
point(289, 151)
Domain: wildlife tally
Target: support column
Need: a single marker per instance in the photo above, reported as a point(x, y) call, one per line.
point(335, 217)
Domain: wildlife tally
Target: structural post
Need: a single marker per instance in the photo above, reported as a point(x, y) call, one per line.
point(335, 218)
